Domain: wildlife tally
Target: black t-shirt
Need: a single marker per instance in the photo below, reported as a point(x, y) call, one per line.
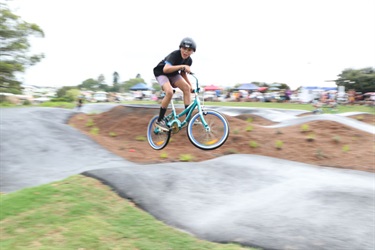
point(173, 58)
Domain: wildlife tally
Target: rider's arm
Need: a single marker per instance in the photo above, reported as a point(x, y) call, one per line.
point(168, 68)
point(184, 75)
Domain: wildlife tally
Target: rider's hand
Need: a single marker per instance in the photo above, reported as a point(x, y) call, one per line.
point(185, 68)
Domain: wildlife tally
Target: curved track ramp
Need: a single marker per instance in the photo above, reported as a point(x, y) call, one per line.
point(252, 200)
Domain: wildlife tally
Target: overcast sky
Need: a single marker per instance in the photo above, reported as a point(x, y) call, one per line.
point(298, 42)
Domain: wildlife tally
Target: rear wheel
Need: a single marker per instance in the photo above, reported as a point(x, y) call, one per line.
point(157, 138)
point(212, 136)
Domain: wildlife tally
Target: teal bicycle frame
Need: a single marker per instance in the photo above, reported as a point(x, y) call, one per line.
point(172, 118)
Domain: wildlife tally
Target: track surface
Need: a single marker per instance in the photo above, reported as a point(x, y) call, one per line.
point(252, 200)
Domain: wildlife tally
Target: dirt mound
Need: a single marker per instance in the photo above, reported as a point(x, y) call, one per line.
point(366, 118)
point(122, 130)
point(254, 119)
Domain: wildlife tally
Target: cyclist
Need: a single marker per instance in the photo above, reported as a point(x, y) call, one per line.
point(171, 73)
point(79, 103)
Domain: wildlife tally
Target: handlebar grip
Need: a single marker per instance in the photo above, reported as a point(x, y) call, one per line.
point(183, 70)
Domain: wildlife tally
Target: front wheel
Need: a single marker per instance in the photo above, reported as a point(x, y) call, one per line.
point(157, 138)
point(211, 136)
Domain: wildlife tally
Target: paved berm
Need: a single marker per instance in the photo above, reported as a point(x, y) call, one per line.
point(311, 194)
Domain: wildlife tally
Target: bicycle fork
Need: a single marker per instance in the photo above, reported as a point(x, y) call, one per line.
point(201, 115)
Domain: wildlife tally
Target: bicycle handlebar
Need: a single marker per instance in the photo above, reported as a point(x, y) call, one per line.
point(196, 81)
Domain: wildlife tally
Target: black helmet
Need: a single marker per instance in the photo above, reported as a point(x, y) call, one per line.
point(187, 42)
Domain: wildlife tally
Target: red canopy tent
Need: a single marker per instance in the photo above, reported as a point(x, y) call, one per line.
point(211, 88)
point(262, 89)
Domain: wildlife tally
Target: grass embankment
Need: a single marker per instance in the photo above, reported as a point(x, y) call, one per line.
point(66, 105)
point(307, 106)
point(81, 213)
point(274, 105)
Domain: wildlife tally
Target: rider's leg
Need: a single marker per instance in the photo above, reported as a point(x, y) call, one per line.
point(167, 88)
point(186, 90)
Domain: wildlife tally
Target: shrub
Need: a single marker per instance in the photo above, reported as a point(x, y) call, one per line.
point(26, 102)
point(336, 139)
point(249, 128)
point(279, 144)
point(310, 137)
point(140, 138)
point(164, 155)
point(60, 99)
point(6, 104)
point(253, 144)
point(360, 118)
point(94, 131)
point(345, 148)
point(90, 123)
point(186, 157)
point(279, 132)
point(305, 127)
point(319, 154)
point(3, 99)
point(230, 151)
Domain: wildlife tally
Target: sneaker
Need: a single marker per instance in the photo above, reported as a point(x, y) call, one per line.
point(162, 125)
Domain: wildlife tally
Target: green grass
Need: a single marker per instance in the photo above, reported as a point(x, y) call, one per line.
point(307, 107)
point(81, 213)
point(66, 105)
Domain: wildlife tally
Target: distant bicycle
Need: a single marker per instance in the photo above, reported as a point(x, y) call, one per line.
point(206, 129)
point(329, 107)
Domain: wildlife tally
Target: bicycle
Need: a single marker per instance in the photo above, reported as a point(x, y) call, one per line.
point(206, 129)
point(320, 108)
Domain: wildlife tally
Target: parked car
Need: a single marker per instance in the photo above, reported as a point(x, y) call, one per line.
point(128, 97)
point(294, 98)
point(41, 99)
point(100, 96)
point(209, 96)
